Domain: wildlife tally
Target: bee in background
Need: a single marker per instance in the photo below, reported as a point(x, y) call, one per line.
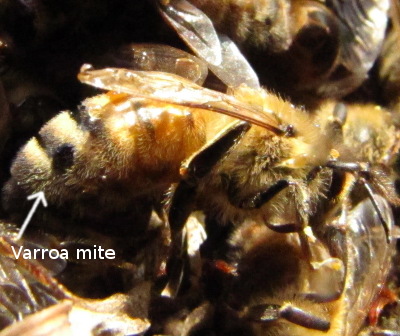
point(267, 284)
point(334, 296)
point(389, 65)
point(301, 49)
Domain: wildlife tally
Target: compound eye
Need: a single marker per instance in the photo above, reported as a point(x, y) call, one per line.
point(63, 157)
point(317, 36)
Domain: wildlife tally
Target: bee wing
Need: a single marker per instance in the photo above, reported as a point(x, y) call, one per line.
point(25, 286)
point(52, 321)
point(158, 57)
point(234, 68)
point(367, 257)
point(73, 318)
point(173, 89)
point(194, 27)
point(222, 55)
point(363, 27)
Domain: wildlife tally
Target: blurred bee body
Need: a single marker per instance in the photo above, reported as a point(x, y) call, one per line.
point(301, 48)
point(333, 297)
point(389, 64)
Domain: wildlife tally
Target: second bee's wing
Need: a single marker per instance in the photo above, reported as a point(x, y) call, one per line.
point(363, 29)
point(194, 27)
point(25, 286)
point(367, 257)
point(222, 55)
point(157, 57)
point(173, 89)
point(234, 69)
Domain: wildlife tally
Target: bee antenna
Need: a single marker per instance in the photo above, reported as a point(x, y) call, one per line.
point(365, 170)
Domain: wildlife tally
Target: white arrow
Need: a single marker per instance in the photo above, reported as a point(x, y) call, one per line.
point(39, 197)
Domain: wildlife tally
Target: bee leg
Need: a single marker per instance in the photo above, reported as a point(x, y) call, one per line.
point(284, 227)
point(183, 199)
point(273, 312)
point(322, 298)
point(258, 200)
point(176, 266)
point(197, 167)
point(374, 181)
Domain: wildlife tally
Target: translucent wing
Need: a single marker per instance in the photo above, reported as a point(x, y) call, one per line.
point(363, 29)
point(194, 27)
point(51, 321)
point(389, 62)
point(176, 90)
point(25, 285)
point(157, 57)
point(222, 55)
point(81, 317)
point(234, 69)
point(367, 257)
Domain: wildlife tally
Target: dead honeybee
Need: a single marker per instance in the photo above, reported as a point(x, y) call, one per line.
point(300, 48)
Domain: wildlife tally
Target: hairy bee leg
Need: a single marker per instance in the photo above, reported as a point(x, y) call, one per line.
point(258, 200)
point(295, 315)
point(175, 266)
point(366, 174)
point(197, 167)
point(183, 199)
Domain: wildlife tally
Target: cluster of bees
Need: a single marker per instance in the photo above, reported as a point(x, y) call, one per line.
point(240, 158)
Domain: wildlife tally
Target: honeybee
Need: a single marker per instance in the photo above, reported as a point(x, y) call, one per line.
point(285, 296)
point(300, 48)
point(267, 284)
point(246, 155)
point(154, 129)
